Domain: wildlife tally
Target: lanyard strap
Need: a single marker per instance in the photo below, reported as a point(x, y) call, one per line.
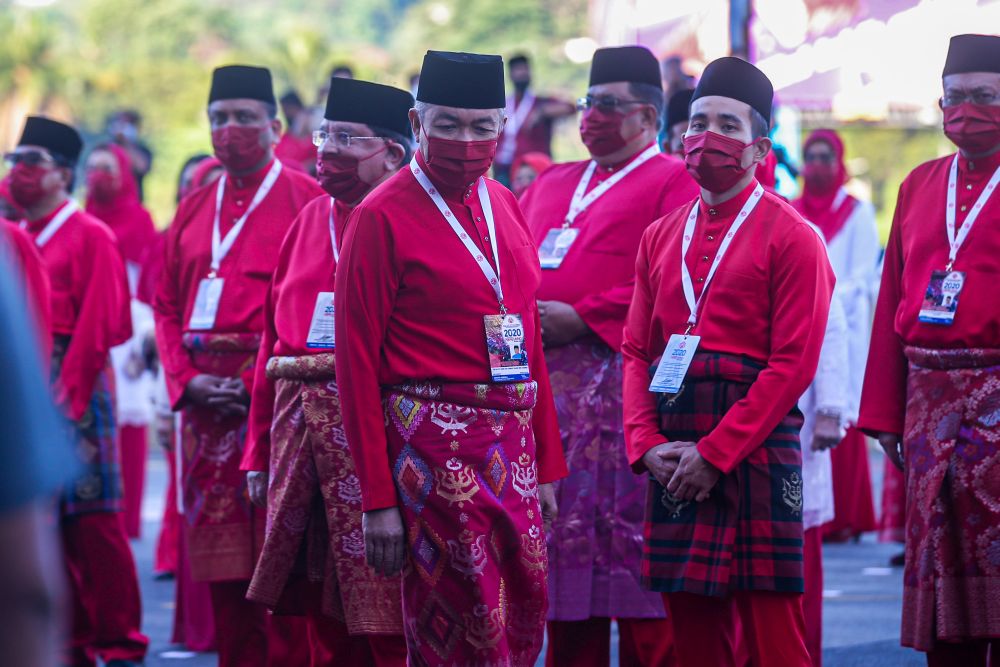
point(686, 283)
point(955, 240)
point(580, 203)
point(55, 224)
point(333, 232)
point(222, 246)
point(515, 119)
point(492, 276)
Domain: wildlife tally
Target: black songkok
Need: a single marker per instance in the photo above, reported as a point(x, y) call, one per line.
point(739, 80)
point(633, 64)
point(371, 104)
point(462, 80)
point(679, 107)
point(972, 53)
point(56, 137)
point(242, 82)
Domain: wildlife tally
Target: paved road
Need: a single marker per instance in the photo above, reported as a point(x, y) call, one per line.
point(861, 609)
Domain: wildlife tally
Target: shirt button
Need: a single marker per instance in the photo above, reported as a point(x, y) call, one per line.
point(969, 186)
point(239, 202)
point(711, 238)
point(712, 211)
point(701, 280)
point(964, 207)
point(704, 258)
point(486, 238)
point(478, 219)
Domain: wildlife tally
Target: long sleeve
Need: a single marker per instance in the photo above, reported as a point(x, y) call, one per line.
point(177, 366)
point(366, 285)
point(831, 384)
point(801, 289)
point(545, 423)
point(642, 430)
point(257, 454)
point(883, 399)
point(103, 321)
point(856, 288)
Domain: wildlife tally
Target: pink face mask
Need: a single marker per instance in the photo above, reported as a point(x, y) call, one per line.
point(26, 184)
point(975, 128)
point(601, 131)
point(101, 185)
point(338, 175)
point(238, 147)
point(458, 163)
point(714, 161)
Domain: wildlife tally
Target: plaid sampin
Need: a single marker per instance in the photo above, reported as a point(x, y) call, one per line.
point(748, 534)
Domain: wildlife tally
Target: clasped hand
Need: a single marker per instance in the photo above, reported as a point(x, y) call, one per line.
point(680, 468)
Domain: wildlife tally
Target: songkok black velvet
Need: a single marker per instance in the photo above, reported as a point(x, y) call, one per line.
point(972, 53)
point(634, 64)
point(52, 135)
point(371, 104)
point(679, 107)
point(462, 80)
point(241, 82)
point(739, 80)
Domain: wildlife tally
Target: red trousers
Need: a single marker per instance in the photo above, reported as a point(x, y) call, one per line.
point(812, 599)
point(107, 608)
point(642, 642)
point(764, 626)
point(194, 624)
point(168, 544)
point(983, 653)
point(247, 635)
point(332, 646)
point(133, 445)
point(892, 523)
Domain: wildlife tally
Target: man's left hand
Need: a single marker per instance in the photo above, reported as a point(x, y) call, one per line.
point(547, 501)
point(561, 324)
point(694, 478)
point(828, 431)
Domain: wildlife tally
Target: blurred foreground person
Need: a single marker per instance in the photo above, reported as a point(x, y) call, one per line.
point(848, 225)
point(36, 451)
point(731, 338)
point(451, 427)
point(587, 219)
point(932, 387)
point(301, 468)
point(90, 315)
point(209, 306)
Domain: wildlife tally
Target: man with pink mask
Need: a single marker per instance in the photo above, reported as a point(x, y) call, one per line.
point(296, 438)
point(451, 426)
point(220, 254)
point(730, 309)
point(602, 205)
point(932, 387)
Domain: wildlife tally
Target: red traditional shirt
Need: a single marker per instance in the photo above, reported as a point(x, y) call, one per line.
point(28, 261)
point(918, 245)
point(769, 300)
point(410, 306)
point(597, 276)
point(306, 267)
point(246, 269)
point(90, 301)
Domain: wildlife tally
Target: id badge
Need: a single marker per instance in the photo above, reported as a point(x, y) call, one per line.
point(206, 303)
point(505, 345)
point(941, 297)
point(321, 329)
point(555, 246)
point(674, 364)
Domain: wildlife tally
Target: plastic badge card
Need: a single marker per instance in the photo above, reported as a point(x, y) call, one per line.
point(674, 364)
point(321, 329)
point(505, 346)
point(555, 246)
point(941, 297)
point(206, 303)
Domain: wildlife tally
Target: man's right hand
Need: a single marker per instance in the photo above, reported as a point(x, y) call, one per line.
point(257, 487)
point(658, 465)
point(385, 540)
point(893, 446)
point(218, 393)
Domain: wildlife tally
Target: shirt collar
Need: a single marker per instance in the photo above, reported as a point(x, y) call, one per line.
point(38, 225)
point(730, 207)
point(251, 181)
point(984, 165)
point(605, 170)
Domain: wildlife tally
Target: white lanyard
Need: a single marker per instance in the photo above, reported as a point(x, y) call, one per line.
point(957, 239)
point(579, 203)
point(515, 120)
point(220, 246)
point(55, 224)
point(333, 233)
point(484, 200)
point(686, 283)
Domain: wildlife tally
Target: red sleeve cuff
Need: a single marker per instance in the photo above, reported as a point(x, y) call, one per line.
point(639, 448)
point(379, 498)
point(873, 425)
point(715, 455)
point(611, 331)
point(178, 386)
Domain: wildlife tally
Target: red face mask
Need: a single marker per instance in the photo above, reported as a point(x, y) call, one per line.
point(714, 160)
point(820, 178)
point(458, 163)
point(101, 185)
point(239, 147)
point(975, 128)
point(601, 131)
point(338, 175)
point(26, 184)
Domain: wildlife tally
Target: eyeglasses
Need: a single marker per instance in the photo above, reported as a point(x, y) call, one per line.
point(340, 139)
point(27, 158)
point(603, 102)
point(953, 99)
